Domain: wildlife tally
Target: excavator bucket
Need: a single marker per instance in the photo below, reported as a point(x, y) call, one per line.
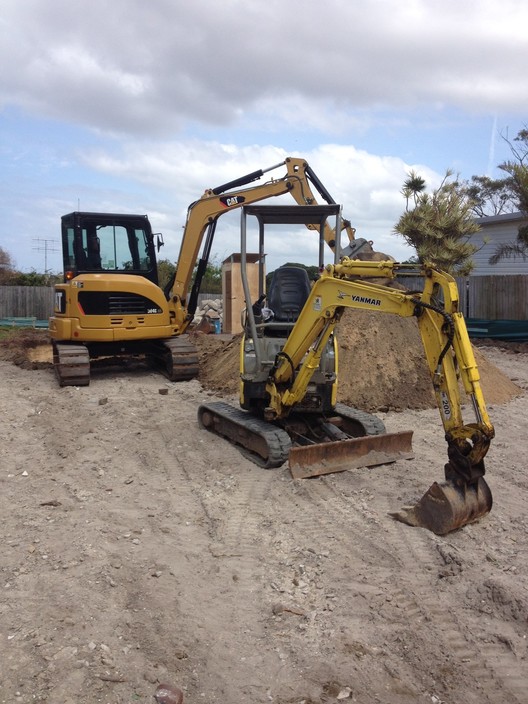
point(367, 451)
point(446, 507)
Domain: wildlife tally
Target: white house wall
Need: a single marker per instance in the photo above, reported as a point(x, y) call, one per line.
point(496, 230)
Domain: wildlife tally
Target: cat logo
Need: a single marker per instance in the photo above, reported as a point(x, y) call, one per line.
point(60, 301)
point(232, 201)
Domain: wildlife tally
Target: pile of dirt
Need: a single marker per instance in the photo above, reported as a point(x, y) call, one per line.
point(382, 365)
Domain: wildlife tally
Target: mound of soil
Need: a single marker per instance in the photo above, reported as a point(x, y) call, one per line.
point(26, 347)
point(382, 365)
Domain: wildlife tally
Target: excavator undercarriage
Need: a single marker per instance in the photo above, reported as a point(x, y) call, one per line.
point(313, 445)
point(176, 358)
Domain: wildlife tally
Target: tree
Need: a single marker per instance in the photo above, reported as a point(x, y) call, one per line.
point(166, 271)
point(439, 224)
point(211, 281)
point(491, 196)
point(33, 278)
point(517, 168)
point(212, 278)
point(7, 269)
point(9, 276)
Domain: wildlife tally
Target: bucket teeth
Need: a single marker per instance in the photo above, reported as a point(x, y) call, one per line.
point(445, 507)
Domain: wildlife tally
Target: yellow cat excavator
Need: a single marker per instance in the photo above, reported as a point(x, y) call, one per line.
point(110, 304)
point(289, 375)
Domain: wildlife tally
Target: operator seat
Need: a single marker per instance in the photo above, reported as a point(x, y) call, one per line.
point(288, 292)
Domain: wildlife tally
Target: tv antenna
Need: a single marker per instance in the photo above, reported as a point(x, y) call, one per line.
point(45, 246)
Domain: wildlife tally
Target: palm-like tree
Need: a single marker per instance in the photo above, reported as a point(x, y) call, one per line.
point(438, 224)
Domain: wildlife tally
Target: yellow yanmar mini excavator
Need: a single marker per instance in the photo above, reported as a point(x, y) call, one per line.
point(110, 304)
point(289, 375)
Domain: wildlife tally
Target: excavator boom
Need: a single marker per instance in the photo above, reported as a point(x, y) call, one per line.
point(300, 181)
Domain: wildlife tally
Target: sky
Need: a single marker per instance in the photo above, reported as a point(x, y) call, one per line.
point(138, 107)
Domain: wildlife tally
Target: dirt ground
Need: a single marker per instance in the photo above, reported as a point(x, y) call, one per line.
point(140, 550)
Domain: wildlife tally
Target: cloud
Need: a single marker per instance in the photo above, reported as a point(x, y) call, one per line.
point(152, 68)
point(140, 106)
point(368, 185)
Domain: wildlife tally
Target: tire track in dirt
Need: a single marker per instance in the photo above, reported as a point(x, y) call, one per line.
point(234, 538)
point(172, 558)
point(327, 514)
point(403, 562)
point(491, 670)
point(327, 540)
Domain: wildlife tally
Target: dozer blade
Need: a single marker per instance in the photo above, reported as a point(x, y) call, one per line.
point(367, 451)
point(445, 507)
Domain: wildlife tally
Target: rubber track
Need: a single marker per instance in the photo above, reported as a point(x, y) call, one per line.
point(182, 359)
point(71, 364)
point(277, 441)
point(371, 424)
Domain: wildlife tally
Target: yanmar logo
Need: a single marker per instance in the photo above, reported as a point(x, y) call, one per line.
point(360, 299)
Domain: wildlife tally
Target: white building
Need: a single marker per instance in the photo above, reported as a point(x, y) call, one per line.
point(496, 230)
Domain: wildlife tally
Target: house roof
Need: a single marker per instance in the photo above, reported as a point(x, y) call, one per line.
point(503, 218)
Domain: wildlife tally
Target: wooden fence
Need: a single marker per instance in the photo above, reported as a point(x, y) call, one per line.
point(491, 297)
point(26, 301)
point(498, 297)
point(494, 297)
point(37, 301)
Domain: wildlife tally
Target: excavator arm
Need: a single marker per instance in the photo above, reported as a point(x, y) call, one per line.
point(202, 217)
point(465, 496)
point(450, 358)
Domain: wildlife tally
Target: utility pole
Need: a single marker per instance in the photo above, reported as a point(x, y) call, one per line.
point(45, 246)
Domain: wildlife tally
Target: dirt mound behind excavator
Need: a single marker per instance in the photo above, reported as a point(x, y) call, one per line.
point(382, 365)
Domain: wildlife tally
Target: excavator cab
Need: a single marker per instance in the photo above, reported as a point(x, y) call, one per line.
point(109, 244)
point(289, 289)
